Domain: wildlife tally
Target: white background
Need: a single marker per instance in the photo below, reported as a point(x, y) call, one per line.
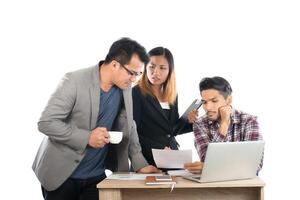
point(254, 44)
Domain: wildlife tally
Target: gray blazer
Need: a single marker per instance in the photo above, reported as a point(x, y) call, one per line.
point(67, 122)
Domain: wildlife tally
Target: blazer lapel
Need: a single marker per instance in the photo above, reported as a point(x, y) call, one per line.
point(95, 102)
point(95, 97)
point(155, 103)
point(128, 106)
point(173, 113)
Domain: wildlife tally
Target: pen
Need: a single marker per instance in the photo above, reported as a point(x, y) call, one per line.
point(172, 187)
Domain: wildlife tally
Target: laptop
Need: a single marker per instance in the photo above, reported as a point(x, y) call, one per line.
point(230, 161)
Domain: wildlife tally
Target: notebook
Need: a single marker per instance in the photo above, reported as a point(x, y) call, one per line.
point(157, 180)
point(230, 161)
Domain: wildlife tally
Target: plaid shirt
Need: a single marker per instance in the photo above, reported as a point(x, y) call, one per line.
point(243, 127)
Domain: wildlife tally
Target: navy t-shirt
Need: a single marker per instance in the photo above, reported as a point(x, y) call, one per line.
point(93, 163)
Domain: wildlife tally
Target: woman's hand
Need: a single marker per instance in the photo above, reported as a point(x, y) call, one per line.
point(192, 116)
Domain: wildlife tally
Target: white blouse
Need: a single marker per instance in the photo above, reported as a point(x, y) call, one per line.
point(165, 105)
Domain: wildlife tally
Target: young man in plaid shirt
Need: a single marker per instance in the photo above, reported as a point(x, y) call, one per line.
point(221, 123)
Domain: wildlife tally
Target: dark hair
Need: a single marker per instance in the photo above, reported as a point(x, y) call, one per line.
point(161, 51)
point(123, 49)
point(169, 86)
point(217, 83)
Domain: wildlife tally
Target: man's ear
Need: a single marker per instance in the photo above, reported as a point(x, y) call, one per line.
point(229, 100)
point(114, 63)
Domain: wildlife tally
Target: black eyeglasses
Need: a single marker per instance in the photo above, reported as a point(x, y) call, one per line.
point(131, 73)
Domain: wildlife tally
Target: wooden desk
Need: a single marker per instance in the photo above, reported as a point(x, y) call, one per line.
point(249, 189)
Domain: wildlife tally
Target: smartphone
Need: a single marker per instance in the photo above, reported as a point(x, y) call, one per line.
point(195, 105)
point(163, 178)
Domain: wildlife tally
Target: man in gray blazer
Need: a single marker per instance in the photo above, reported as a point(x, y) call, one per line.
point(86, 105)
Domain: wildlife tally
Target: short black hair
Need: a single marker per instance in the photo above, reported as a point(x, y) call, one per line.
point(123, 49)
point(218, 83)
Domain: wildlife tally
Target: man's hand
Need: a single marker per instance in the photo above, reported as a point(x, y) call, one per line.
point(195, 167)
point(99, 137)
point(192, 116)
point(225, 112)
point(149, 169)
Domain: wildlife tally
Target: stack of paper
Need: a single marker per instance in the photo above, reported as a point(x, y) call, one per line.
point(179, 173)
point(130, 176)
point(152, 180)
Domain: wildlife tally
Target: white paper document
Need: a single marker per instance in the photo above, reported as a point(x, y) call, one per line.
point(130, 176)
point(171, 158)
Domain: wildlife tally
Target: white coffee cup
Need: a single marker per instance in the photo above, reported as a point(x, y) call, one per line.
point(115, 137)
